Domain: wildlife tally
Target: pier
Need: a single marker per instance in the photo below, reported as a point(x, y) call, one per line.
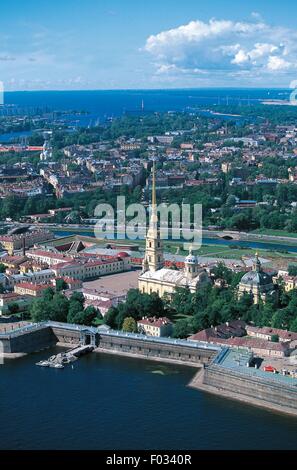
point(60, 360)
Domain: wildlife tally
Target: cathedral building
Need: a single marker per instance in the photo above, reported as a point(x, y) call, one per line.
point(257, 283)
point(156, 278)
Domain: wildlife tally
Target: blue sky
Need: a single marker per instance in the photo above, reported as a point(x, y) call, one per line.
point(118, 44)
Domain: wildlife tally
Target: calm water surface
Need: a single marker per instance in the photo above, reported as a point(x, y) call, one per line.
point(109, 402)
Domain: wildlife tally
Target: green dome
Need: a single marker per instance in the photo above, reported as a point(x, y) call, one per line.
point(256, 278)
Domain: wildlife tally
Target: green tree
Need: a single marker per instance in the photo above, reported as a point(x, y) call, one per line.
point(183, 301)
point(129, 325)
point(77, 296)
point(48, 294)
point(13, 308)
point(89, 315)
point(111, 316)
point(59, 307)
point(182, 329)
point(40, 310)
point(293, 326)
point(61, 285)
point(75, 312)
point(292, 269)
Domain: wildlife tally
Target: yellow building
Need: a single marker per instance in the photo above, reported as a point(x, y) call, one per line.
point(153, 326)
point(290, 282)
point(28, 288)
point(12, 243)
point(156, 278)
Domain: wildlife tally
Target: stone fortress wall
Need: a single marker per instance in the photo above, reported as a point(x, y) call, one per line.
point(211, 376)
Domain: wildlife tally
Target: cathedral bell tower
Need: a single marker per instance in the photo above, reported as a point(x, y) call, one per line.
point(191, 265)
point(153, 259)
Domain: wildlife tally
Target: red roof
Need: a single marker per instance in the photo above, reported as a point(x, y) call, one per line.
point(284, 335)
point(33, 287)
point(246, 342)
point(49, 254)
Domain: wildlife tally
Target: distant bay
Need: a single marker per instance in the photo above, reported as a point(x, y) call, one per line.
point(111, 103)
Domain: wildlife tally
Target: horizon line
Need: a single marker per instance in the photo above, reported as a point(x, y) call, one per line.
point(148, 89)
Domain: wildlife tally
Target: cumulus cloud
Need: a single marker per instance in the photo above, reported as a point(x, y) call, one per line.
point(224, 46)
point(278, 63)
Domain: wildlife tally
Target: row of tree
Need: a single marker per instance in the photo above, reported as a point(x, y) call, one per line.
point(55, 306)
point(137, 306)
point(209, 306)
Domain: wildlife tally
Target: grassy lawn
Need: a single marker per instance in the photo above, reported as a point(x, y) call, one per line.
point(219, 251)
point(178, 316)
point(278, 233)
point(225, 252)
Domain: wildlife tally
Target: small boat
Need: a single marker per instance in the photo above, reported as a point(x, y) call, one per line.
point(43, 364)
point(58, 366)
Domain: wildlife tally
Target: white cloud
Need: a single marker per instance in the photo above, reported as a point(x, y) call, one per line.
point(260, 51)
point(256, 15)
point(240, 57)
point(277, 63)
point(224, 46)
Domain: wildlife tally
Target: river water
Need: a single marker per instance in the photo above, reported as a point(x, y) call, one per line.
point(206, 241)
point(111, 402)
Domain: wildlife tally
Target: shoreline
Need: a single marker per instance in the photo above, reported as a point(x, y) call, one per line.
point(13, 355)
point(197, 384)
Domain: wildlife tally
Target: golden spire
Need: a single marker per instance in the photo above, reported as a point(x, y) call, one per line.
point(154, 197)
point(154, 216)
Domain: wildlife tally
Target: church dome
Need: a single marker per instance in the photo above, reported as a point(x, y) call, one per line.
point(256, 278)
